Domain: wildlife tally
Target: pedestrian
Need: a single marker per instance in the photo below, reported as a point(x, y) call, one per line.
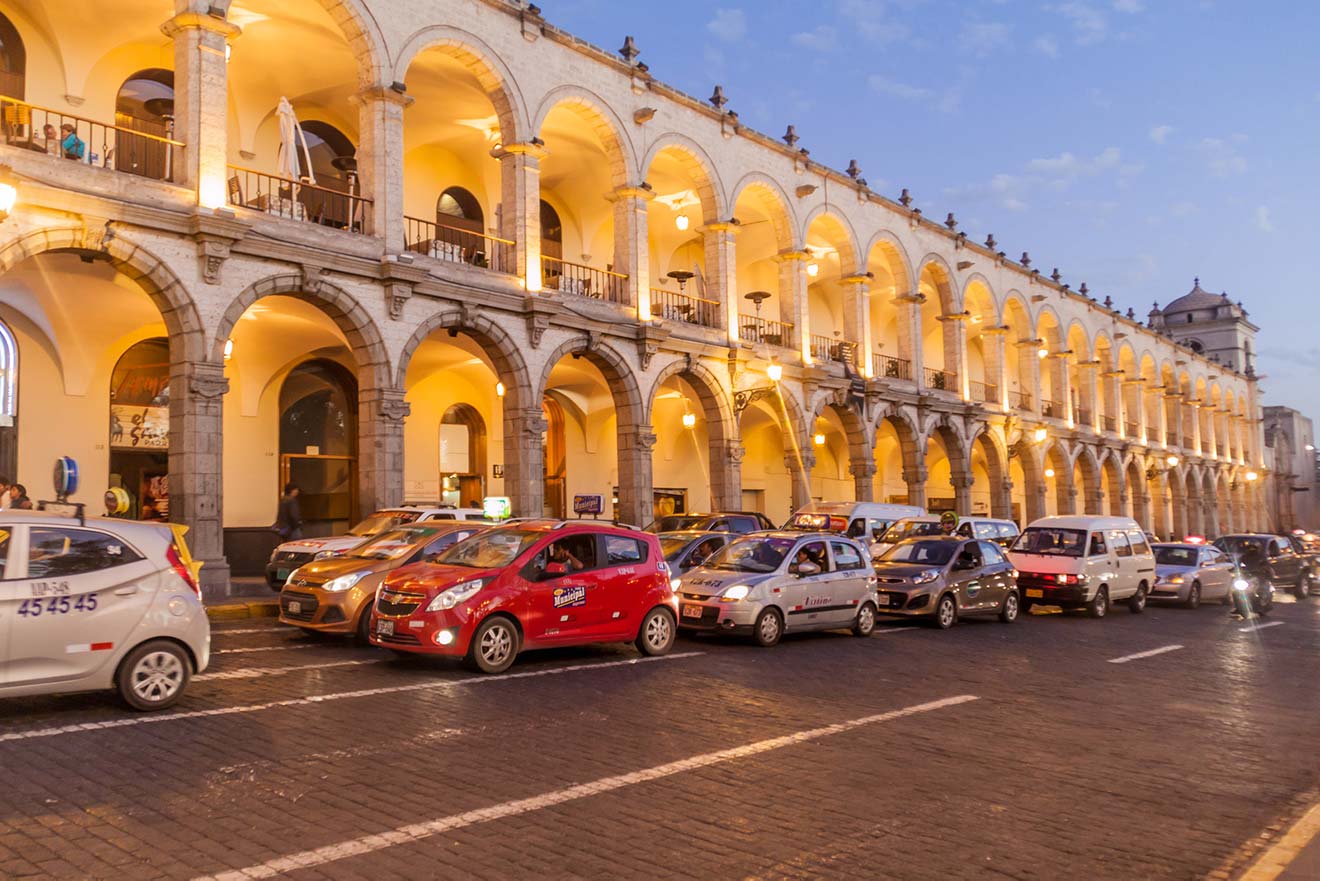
point(72, 146)
point(4, 492)
point(18, 498)
point(288, 521)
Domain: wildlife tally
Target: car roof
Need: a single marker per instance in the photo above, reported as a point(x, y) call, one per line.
point(693, 533)
point(949, 538)
point(1190, 545)
point(48, 518)
point(795, 534)
point(574, 526)
point(1083, 522)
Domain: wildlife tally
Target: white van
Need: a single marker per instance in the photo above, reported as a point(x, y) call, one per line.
point(1001, 532)
point(864, 521)
point(1084, 562)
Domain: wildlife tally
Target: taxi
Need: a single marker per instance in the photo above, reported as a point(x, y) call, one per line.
point(772, 583)
point(89, 603)
point(538, 584)
point(334, 595)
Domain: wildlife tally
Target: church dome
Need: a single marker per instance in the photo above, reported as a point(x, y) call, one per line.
point(1196, 298)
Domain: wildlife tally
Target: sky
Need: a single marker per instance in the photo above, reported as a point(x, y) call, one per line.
point(1134, 144)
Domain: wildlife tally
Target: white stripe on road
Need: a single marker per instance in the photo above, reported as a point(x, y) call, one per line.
point(254, 672)
point(897, 630)
point(1262, 626)
point(324, 698)
point(1150, 654)
point(267, 648)
point(419, 831)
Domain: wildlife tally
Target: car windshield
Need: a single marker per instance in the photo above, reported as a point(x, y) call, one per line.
point(490, 550)
point(390, 545)
point(1175, 556)
point(1236, 545)
point(753, 555)
point(678, 523)
point(935, 553)
point(910, 529)
point(1051, 541)
point(672, 545)
point(383, 520)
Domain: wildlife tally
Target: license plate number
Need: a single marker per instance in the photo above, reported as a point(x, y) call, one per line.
point(882, 601)
point(295, 607)
point(281, 574)
point(1036, 594)
point(692, 611)
point(385, 628)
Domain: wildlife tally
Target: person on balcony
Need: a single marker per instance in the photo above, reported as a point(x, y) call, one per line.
point(72, 146)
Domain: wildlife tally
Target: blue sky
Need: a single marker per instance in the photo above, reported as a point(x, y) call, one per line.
point(1134, 144)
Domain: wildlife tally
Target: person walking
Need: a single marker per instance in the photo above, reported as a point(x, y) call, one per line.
point(288, 521)
point(18, 498)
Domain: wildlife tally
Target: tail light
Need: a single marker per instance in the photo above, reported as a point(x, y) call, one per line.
point(182, 570)
point(1064, 578)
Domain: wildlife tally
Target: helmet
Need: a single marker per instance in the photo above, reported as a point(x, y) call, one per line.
point(949, 517)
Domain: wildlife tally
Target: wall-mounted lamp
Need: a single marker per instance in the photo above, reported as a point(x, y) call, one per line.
point(499, 389)
point(1252, 476)
point(813, 270)
point(1042, 353)
point(775, 372)
point(682, 222)
point(1049, 472)
point(8, 191)
point(820, 440)
point(689, 420)
point(229, 349)
point(1039, 435)
point(1173, 461)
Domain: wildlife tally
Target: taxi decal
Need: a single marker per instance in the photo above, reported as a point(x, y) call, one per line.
point(61, 605)
point(82, 647)
point(570, 597)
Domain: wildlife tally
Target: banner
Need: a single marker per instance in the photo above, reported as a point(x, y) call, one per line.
point(139, 428)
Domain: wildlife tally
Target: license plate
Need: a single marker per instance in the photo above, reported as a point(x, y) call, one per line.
point(281, 574)
point(385, 628)
point(294, 607)
point(1036, 594)
point(882, 601)
point(692, 611)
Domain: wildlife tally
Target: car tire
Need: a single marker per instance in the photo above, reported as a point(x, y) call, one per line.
point(946, 612)
point(153, 676)
point(1012, 607)
point(1303, 588)
point(864, 623)
point(362, 633)
point(656, 635)
point(1193, 600)
point(494, 645)
point(768, 629)
point(1098, 607)
point(1137, 602)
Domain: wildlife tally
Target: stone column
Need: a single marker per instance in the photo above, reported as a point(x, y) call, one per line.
point(1058, 366)
point(1113, 404)
point(1029, 382)
point(1197, 446)
point(380, 163)
point(720, 243)
point(632, 249)
point(1001, 499)
point(201, 108)
point(962, 494)
point(1035, 499)
point(955, 351)
point(1172, 401)
point(726, 476)
point(993, 346)
point(1088, 392)
point(1134, 409)
point(520, 208)
point(909, 331)
point(799, 472)
point(1160, 429)
point(524, 460)
point(863, 474)
point(197, 390)
point(857, 321)
point(636, 497)
point(916, 486)
point(793, 300)
point(381, 412)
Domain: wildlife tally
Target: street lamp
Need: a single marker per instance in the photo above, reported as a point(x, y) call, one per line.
point(775, 372)
point(689, 420)
point(8, 192)
point(499, 389)
point(229, 349)
point(1039, 435)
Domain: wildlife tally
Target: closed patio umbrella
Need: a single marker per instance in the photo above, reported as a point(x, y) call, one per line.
point(291, 135)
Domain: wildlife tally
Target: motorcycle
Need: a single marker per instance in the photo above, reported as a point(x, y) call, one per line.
point(1251, 593)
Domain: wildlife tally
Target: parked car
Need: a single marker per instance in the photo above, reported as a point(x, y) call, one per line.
point(1001, 532)
point(772, 583)
point(1284, 567)
point(944, 578)
point(740, 522)
point(1084, 562)
point(533, 585)
point(91, 603)
point(864, 521)
point(1190, 573)
point(334, 595)
point(1309, 550)
point(689, 550)
point(292, 554)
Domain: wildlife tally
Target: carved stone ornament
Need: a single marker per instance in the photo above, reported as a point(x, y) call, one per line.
point(735, 452)
point(313, 277)
point(743, 399)
point(645, 441)
point(208, 386)
point(468, 315)
point(646, 351)
point(593, 341)
point(537, 325)
point(394, 409)
point(397, 295)
point(213, 255)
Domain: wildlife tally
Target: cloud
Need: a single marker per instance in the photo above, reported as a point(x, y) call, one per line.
point(1263, 221)
point(874, 20)
point(1051, 174)
point(983, 37)
point(1132, 7)
point(821, 39)
point(729, 25)
point(1160, 133)
point(1222, 158)
point(886, 86)
point(1047, 45)
point(1089, 25)
point(1182, 209)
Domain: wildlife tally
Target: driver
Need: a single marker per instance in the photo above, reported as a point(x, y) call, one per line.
point(560, 554)
point(948, 522)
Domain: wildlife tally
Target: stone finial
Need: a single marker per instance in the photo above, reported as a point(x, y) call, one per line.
point(905, 198)
point(950, 221)
point(1083, 290)
point(791, 136)
point(717, 99)
point(1056, 275)
point(629, 50)
point(1196, 282)
point(1131, 313)
point(1109, 302)
point(1026, 259)
point(990, 241)
point(854, 170)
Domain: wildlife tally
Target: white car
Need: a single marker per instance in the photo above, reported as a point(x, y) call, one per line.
point(90, 604)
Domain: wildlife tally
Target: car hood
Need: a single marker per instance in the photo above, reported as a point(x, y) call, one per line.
point(710, 582)
point(1163, 570)
point(905, 571)
point(431, 578)
point(316, 545)
point(321, 571)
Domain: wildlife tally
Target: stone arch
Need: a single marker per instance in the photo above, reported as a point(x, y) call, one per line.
point(1077, 332)
point(494, 340)
point(893, 255)
point(773, 200)
point(995, 453)
point(721, 427)
point(1092, 488)
point(942, 280)
point(958, 452)
point(1111, 467)
point(848, 253)
point(1134, 477)
point(911, 456)
point(600, 116)
point(361, 30)
point(697, 162)
point(857, 431)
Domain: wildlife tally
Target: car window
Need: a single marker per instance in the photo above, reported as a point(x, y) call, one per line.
point(576, 552)
point(846, 556)
point(1098, 546)
point(5, 533)
point(58, 552)
point(742, 525)
point(965, 530)
point(1052, 541)
point(969, 555)
point(1008, 530)
point(1276, 550)
point(813, 552)
point(440, 542)
point(1138, 540)
point(935, 552)
point(623, 551)
point(704, 551)
point(878, 527)
point(857, 528)
point(984, 530)
point(992, 553)
point(1118, 541)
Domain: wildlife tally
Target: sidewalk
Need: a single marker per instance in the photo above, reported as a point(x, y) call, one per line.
point(248, 598)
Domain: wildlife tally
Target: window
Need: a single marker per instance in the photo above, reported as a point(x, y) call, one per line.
point(1098, 546)
point(813, 552)
point(576, 552)
point(620, 551)
point(969, 556)
point(60, 552)
point(1118, 541)
point(984, 530)
point(704, 551)
point(965, 530)
point(857, 528)
point(1138, 540)
point(846, 557)
point(1051, 541)
point(743, 525)
point(5, 533)
point(1279, 549)
point(992, 553)
point(1008, 530)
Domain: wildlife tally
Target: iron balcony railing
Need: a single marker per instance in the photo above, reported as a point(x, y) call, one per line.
point(941, 380)
point(1020, 401)
point(983, 392)
point(677, 306)
point(296, 200)
point(824, 348)
point(455, 245)
point(1051, 409)
point(763, 330)
point(584, 281)
point(1109, 423)
point(1084, 417)
point(889, 367)
point(38, 128)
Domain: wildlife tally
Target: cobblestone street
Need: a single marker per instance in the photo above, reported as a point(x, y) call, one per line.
point(1018, 750)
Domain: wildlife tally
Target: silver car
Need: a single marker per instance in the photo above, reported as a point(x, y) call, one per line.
point(944, 578)
point(772, 583)
point(1190, 573)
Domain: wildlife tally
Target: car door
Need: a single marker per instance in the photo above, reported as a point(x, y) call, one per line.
point(1143, 558)
point(966, 576)
point(12, 593)
point(622, 582)
point(802, 594)
point(562, 602)
point(699, 552)
point(852, 581)
point(997, 574)
point(86, 590)
point(1216, 573)
point(1124, 582)
point(1285, 566)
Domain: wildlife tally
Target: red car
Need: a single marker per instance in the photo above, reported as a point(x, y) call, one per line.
point(535, 584)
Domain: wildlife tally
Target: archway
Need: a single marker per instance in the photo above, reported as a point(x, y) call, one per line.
point(462, 457)
point(145, 103)
point(766, 287)
point(318, 444)
point(948, 481)
point(1147, 506)
point(1021, 361)
point(894, 452)
point(989, 477)
point(892, 316)
point(13, 61)
point(984, 345)
point(941, 349)
point(691, 467)
point(776, 466)
point(834, 311)
point(1060, 490)
point(1111, 478)
point(1053, 361)
point(140, 427)
point(680, 243)
point(1087, 479)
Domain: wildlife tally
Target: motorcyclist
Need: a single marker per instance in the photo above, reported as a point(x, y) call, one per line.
point(948, 522)
point(1253, 567)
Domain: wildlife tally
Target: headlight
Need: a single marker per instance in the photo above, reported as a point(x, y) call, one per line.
point(735, 593)
point(343, 582)
point(1241, 584)
point(927, 577)
point(325, 555)
point(452, 596)
point(675, 584)
point(1173, 579)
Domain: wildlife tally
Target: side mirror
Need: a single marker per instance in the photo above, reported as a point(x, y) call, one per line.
point(807, 569)
point(431, 558)
point(555, 569)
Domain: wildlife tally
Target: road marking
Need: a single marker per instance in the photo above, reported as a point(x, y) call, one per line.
point(1150, 654)
point(1273, 862)
point(419, 831)
point(1262, 626)
point(35, 733)
point(896, 630)
point(266, 648)
point(245, 630)
point(254, 672)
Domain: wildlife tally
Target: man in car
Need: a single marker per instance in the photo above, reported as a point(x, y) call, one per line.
point(559, 553)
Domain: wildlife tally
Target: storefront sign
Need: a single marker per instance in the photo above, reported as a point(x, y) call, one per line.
point(139, 428)
point(497, 507)
point(593, 505)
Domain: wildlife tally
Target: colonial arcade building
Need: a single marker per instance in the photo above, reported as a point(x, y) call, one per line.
point(495, 260)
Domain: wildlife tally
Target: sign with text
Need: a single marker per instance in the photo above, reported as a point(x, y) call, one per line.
point(592, 505)
point(134, 427)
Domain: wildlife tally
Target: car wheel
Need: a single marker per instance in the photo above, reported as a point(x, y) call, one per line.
point(1098, 607)
point(769, 627)
point(1137, 602)
point(656, 635)
point(1193, 596)
point(494, 645)
point(1012, 605)
point(153, 676)
point(865, 622)
point(363, 633)
point(1303, 588)
point(946, 612)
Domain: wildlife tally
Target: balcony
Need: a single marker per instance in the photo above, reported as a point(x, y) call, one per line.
point(1084, 418)
point(1020, 401)
point(984, 392)
point(1051, 409)
point(583, 281)
point(762, 330)
point(889, 367)
point(454, 245)
point(840, 351)
point(941, 380)
point(1109, 424)
point(89, 142)
point(684, 308)
point(1130, 430)
point(296, 200)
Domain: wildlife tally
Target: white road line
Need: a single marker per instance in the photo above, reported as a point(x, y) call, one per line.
point(1262, 626)
point(896, 630)
point(419, 831)
point(1150, 654)
point(129, 722)
point(268, 648)
point(255, 672)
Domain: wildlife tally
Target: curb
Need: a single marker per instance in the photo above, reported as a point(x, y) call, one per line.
point(236, 611)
